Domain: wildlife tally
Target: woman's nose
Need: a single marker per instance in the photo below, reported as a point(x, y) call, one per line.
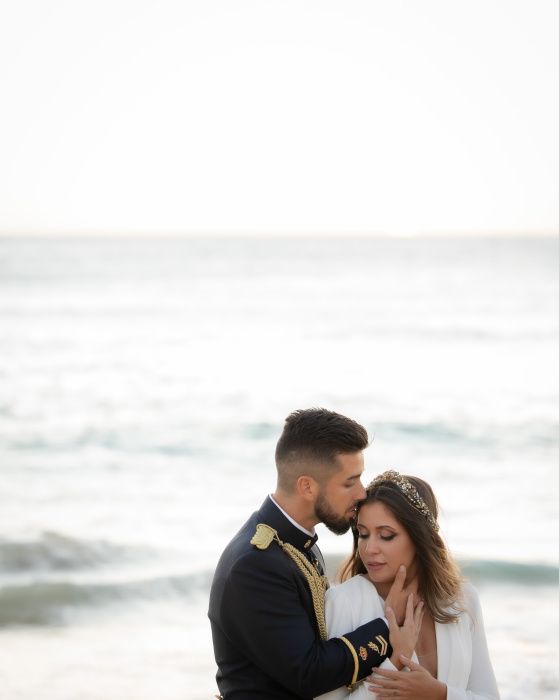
point(372, 545)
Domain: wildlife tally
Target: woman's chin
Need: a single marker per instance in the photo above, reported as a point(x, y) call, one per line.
point(381, 578)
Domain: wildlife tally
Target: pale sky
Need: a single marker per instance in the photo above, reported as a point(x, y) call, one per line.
point(257, 116)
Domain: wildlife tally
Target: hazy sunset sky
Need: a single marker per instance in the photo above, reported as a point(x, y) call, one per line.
point(225, 116)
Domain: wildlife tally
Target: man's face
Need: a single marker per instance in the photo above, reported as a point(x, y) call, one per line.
point(337, 498)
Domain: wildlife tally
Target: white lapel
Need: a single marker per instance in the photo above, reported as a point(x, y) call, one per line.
point(454, 652)
point(444, 651)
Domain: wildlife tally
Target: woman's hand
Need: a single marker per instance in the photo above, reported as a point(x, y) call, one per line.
point(403, 639)
point(418, 684)
point(399, 592)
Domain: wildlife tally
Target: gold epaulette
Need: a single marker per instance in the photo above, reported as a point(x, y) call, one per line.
point(264, 536)
point(262, 539)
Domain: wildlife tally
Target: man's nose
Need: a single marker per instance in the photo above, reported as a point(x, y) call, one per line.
point(361, 493)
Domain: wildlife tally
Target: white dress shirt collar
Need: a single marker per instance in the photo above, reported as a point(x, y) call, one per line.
point(293, 522)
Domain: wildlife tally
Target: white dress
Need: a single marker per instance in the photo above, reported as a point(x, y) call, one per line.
point(462, 656)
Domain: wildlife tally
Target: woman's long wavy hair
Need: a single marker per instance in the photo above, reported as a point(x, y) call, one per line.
point(439, 578)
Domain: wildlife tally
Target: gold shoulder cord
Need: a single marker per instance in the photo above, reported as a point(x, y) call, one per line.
point(318, 584)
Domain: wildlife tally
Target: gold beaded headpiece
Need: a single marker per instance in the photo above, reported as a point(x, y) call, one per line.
point(410, 492)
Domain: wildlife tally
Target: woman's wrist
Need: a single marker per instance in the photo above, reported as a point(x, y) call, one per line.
point(396, 653)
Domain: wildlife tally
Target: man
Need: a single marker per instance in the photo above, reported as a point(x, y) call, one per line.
point(267, 598)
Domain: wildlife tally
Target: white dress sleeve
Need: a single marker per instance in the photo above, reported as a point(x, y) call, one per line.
point(346, 609)
point(481, 683)
point(338, 621)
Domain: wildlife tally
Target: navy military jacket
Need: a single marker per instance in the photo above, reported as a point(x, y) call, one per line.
point(265, 635)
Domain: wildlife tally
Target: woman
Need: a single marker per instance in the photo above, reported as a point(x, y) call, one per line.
point(397, 525)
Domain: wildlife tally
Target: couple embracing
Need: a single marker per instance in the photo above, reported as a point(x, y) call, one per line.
point(403, 624)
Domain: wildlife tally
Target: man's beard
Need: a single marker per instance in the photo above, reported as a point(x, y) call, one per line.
point(337, 524)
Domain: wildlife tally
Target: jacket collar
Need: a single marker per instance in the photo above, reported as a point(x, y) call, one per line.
point(271, 515)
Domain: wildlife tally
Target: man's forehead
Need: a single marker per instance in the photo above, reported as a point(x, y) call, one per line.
point(352, 464)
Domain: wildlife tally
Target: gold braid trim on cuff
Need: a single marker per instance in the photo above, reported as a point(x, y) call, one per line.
point(318, 584)
point(355, 662)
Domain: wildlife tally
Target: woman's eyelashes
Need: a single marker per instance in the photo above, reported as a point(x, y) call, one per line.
point(385, 538)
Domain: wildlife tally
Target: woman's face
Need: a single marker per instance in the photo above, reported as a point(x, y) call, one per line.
point(383, 545)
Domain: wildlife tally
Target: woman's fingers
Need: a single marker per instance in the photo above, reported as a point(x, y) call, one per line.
point(396, 595)
point(391, 617)
point(383, 683)
point(382, 691)
point(410, 664)
point(384, 673)
point(418, 614)
point(409, 610)
point(399, 580)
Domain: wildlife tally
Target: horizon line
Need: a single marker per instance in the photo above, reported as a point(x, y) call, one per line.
point(263, 235)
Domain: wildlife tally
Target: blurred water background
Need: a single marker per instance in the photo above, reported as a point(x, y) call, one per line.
point(144, 383)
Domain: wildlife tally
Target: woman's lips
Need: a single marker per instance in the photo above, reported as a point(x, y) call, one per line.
point(375, 565)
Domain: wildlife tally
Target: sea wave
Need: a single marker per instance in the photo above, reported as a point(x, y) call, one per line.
point(529, 434)
point(52, 551)
point(56, 602)
point(104, 439)
point(481, 571)
point(511, 572)
point(532, 434)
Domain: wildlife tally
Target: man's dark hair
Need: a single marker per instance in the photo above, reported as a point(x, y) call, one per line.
point(311, 440)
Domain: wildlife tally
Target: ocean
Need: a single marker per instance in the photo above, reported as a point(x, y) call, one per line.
point(143, 386)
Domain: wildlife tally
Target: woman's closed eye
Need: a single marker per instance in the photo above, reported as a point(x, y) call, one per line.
point(387, 538)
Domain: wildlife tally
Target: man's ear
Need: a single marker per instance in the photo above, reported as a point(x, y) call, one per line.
point(307, 488)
